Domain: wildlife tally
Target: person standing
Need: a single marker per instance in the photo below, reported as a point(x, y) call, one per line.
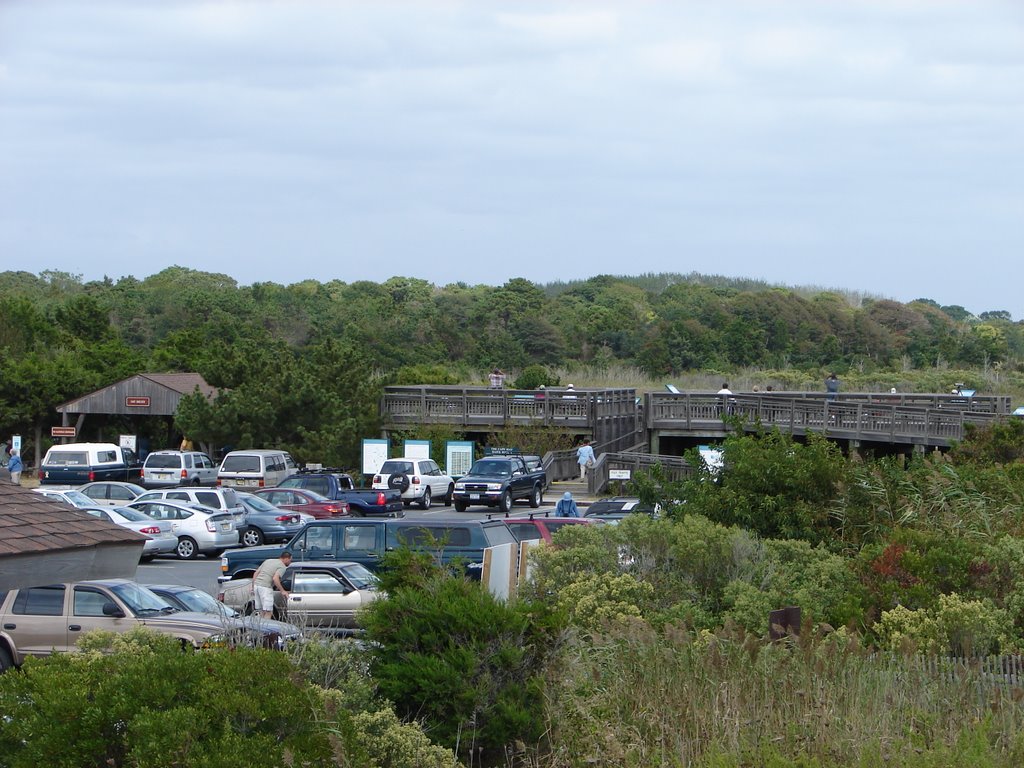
point(566, 506)
point(497, 378)
point(831, 387)
point(266, 578)
point(15, 466)
point(585, 457)
point(725, 389)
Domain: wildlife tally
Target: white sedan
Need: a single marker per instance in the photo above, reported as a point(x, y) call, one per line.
point(197, 528)
point(160, 538)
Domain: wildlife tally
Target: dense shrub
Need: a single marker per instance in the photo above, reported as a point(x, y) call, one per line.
point(536, 376)
point(953, 627)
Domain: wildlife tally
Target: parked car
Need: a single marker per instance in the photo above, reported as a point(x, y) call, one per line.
point(498, 481)
point(255, 468)
point(366, 541)
point(614, 508)
point(78, 463)
point(38, 621)
point(419, 480)
point(197, 528)
point(338, 486)
point(164, 469)
point(70, 496)
point(186, 598)
point(298, 500)
point(111, 492)
point(160, 538)
point(222, 499)
point(323, 595)
point(267, 524)
point(540, 528)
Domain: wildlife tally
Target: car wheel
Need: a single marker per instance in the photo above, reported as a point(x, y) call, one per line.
point(425, 499)
point(5, 660)
point(536, 497)
point(461, 506)
point(146, 558)
point(196, 482)
point(187, 549)
point(505, 502)
point(252, 537)
point(448, 496)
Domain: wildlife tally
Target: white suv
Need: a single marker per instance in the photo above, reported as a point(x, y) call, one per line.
point(419, 480)
point(164, 469)
point(220, 499)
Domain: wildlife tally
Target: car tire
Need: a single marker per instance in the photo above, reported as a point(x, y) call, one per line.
point(6, 662)
point(196, 482)
point(399, 482)
point(252, 537)
point(448, 496)
point(147, 558)
point(249, 609)
point(425, 498)
point(187, 548)
point(536, 497)
point(461, 506)
point(505, 502)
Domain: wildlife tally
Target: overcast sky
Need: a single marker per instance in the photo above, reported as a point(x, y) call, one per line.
point(870, 146)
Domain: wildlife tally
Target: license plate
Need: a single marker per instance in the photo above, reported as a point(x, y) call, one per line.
point(225, 526)
point(474, 496)
point(162, 475)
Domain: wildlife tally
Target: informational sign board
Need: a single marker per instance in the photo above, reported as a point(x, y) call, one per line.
point(458, 457)
point(16, 443)
point(63, 431)
point(500, 451)
point(375, 453)
point(129, 442)
point(417, 449)
point(139, 401)
point(618, 474)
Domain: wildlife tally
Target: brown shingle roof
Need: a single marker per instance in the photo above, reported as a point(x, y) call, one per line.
point(185, 383)
point(30, 522)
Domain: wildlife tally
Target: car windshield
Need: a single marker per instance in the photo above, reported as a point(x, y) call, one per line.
point(241, 464)
point(131, 514)
point(141, 600)
point(496, 468)
point(256, 503)
point(202, 602)
point(396, 468)
point(163, 461)
point(78, 498)
point(359, 576)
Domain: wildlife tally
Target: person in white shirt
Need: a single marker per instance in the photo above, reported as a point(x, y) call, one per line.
point(725, 389)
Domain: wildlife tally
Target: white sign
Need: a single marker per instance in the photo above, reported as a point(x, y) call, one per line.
point(618, 474)
point(16, 443)
point(128, 441)
point(458, 457)
point(417, 449)
point(375, 453)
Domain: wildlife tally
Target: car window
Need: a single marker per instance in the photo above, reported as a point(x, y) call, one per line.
point(397, 468)
point(451, 536)
point(317, 537)
point(40, 601)
point(209, 498)
point(89, 601)
point(178, 495)
point(524, 531)
point(241, 463)
point(554, 527)
point(315, 582)
point(360, 538)
point(132, 514)
point(67, 458)
point(359, 576)
point(204, 461)
point(289, 462)
point(119, 493)
point(99, 514)
point(106, 457)
point(498, 534)
point(163, 461)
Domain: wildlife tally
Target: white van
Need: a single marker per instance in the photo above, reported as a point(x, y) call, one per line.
point(255, 468)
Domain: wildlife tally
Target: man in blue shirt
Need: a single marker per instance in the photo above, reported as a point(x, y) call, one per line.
point(585, 457)
point(15, 466)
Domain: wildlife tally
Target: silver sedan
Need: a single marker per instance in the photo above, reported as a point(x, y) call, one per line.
point(160, 538)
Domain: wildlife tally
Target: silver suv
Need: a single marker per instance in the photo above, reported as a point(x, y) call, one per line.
point(164, 469)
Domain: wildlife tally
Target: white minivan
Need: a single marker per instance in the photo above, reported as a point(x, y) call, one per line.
point(255, 468)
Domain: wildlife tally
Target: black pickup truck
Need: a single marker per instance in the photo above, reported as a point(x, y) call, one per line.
point(366, 541)
point(498, 481)
point(362, 502)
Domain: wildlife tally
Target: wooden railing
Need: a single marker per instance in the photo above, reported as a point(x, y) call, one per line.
point(933, 420)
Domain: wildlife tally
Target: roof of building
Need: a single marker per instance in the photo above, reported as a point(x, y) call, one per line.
point(144, 394)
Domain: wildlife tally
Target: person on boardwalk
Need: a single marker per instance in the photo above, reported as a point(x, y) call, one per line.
point(725, 389)
point(831, 386)
point(585, 457)
point(15, 466)
point(566, 506)
point(496, 378)
point(268, 576)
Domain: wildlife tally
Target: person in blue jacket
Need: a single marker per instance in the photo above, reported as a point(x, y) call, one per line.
point(566, 506)
point(585, 457)
point(15, 466)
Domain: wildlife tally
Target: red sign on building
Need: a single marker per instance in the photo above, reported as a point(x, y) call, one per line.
point(62, 431)
point(137, 402)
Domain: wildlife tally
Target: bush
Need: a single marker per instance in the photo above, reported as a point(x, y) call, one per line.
point(536, 376)
point(148, 703)
point(468, 665)
point(954, 627)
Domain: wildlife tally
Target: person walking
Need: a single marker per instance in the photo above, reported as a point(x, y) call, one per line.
point(585, 457)
point(15, 466)
point(266, 578)
point(566, 506)
point(831, 387)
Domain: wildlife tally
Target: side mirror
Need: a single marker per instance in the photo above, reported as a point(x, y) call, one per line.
point(109, 609)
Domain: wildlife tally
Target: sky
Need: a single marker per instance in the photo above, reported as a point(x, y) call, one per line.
point(869, 146)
